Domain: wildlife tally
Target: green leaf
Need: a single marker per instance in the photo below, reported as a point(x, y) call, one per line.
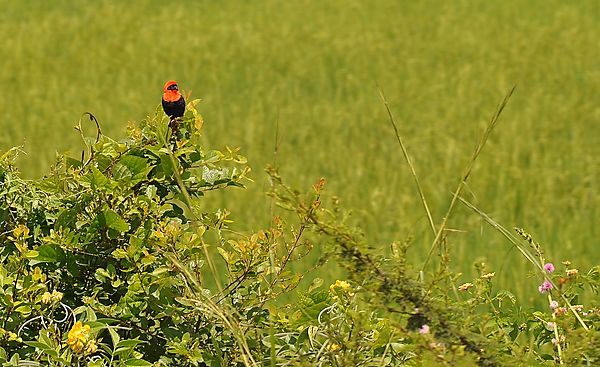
point(66, 218)
point(224, 254)
point(160, 271)
point(112, 220)
point(137, 362)
point(114, 336)
point(120, 254)
point(72, 162)
point(31, 254)
point(43, 347)
point(302, 337)
point(131, 169)
point(97, 180)
point(148, 259)
point(25, 310)
point(316, 283)
point(166, 165)
point(186, 301)
point(49, 254)
point(38, 345)
point(96, 363)
point(102, 275)
point(129, 343)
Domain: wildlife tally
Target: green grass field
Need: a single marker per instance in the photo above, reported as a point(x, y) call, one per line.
point(315, 67)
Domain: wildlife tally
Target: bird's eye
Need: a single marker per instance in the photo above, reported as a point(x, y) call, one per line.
point(172, 87)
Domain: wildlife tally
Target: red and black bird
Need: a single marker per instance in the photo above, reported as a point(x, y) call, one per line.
point(172, 101)
point(174, 106)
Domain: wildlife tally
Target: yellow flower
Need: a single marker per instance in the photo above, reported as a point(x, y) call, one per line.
point(78, 336)
point(92, 347)
point(465, 286)
point(159, 234)
point(20, 231)
point(333, 347)
point(248, 247)
point(572, 272)
point(38, 275)
point(46, 297)
point(342, 284)
point(57, 296)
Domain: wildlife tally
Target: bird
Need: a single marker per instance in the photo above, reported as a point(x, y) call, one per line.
point(173, 104)
point(172, 101)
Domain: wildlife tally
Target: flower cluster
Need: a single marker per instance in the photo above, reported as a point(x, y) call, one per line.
point(342, 285)
point(55, 296)
point(79, 339)
point(21, 231)
point(545, 286)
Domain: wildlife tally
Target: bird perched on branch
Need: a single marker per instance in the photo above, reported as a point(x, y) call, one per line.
point(173, 104)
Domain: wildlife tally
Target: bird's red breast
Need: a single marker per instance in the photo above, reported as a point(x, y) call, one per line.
point(171, 96)
point(171, 91)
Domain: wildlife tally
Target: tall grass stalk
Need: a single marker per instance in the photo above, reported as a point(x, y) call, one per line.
point(408, 161)
point(469, 168)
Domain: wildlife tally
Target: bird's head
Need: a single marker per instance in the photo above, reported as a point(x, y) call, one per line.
point(171, 85)
point(171, 91)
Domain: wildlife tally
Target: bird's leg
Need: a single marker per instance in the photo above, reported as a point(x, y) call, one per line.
point(174, 129)
point(174, 125)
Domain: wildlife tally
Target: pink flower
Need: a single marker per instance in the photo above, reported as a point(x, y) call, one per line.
point(553, 305)
point(549, 267)
point(424, 329)
point(545, 286)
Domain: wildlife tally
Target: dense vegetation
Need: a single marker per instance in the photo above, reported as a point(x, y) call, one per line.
point(148, 250)
point(112, 260)
point(313, 68)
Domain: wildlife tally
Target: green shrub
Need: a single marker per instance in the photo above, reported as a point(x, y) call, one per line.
point(112, 260)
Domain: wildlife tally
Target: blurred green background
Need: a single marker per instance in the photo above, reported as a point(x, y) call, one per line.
point(314, 67)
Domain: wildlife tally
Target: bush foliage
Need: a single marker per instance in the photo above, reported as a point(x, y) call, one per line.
point(112, 260)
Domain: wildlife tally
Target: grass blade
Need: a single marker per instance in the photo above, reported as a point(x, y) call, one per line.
point(407, 158)
point(465, 176)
